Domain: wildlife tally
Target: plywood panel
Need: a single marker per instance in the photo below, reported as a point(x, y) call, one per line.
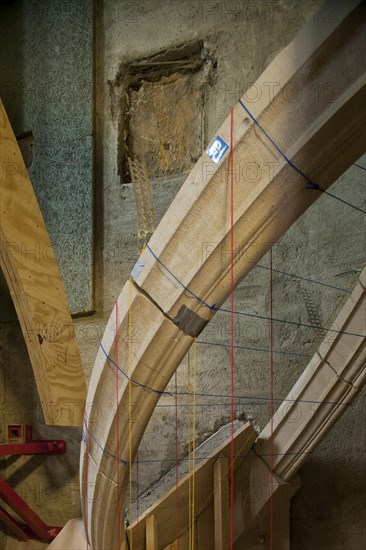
point(34, 280)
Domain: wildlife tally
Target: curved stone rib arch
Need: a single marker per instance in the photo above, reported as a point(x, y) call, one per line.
point(314, 136)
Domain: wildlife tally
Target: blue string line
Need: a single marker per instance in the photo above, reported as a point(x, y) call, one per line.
point(244, 314)
point(257, 398)
point(311, 184)
point(359, 166)
point(130, 379)
point(101, 446)
point(304, 279)
point(184, 459)
point(263, 350)
point(267, 399)
point(171, 394)
point(213, 308)
point(208, 457)
point(104, 451)
point(239, 403)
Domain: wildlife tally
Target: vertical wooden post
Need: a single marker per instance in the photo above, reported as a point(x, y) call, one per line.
point(151, 533)
point(221, 503)
point(205, 534)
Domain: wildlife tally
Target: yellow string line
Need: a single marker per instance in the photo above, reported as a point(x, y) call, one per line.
point(129, 336)
point(194, 435)
point(189, 446)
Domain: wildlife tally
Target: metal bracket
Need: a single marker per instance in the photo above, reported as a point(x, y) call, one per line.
point(23, 444)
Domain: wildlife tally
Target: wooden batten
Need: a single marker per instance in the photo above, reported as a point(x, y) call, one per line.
point(152, 533)
point(222, 503)
point(37, 290)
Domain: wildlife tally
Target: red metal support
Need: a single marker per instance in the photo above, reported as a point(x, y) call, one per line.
point(23, 444)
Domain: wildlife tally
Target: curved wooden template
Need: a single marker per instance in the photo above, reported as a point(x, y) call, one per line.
point(315, 136)
point(36, 287)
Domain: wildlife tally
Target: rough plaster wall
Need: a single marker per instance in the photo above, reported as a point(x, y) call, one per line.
point(46, 84)
point(327, 513)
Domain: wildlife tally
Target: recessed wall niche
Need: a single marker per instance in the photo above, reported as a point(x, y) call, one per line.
point(161, 109)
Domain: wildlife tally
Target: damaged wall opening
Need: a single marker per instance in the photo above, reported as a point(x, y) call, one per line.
point(161, 118)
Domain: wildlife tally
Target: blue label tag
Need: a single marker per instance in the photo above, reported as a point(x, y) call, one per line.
point(217, 149)
point(137, 268)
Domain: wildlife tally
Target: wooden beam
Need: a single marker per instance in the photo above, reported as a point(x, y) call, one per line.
point(36, 287)
point(221, 503)
point(189, 248)
point(151, 527)
point(205, 532)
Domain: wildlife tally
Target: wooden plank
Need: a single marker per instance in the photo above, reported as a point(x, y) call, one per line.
point(205, 531)
point(182, 543)
point(36, 287)
point(221, 503)
point(151, 527)
point(316, 136)
point(204, 490)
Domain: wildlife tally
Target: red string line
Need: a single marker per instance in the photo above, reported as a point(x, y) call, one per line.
point(86, 478)
point(137, 498)
point(232, 328)
point(176, 465)
point(117, 436)
point(271, 412)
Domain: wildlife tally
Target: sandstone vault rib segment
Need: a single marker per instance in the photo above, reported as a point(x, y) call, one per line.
point(186, 248)
point(331, 381)
point(35, 284)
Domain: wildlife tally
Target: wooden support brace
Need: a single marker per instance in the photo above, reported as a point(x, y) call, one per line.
point(205, 535)
point(221, 503)
point(152, 533)
point(33, 277)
